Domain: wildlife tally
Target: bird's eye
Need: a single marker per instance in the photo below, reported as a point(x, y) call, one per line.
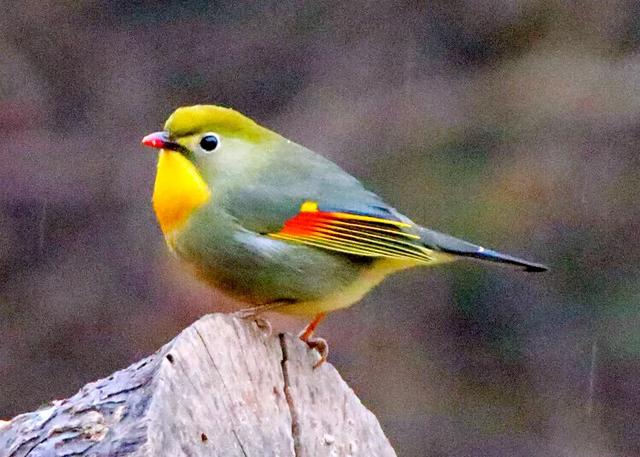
point(209, 142)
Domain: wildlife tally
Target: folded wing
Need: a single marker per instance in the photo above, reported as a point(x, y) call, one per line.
point(355, 234)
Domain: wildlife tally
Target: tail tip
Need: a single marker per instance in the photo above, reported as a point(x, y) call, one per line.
point(535, 268)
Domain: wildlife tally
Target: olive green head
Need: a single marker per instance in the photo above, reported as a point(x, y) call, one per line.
point(199, 120)
point(201, 146)
point(200, 130)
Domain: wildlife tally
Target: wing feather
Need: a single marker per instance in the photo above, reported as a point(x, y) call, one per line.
point(354, 233)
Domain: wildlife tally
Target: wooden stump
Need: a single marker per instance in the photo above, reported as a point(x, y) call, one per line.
point(220, 388)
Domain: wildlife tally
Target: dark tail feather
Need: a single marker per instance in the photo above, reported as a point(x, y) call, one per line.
point(445, 243)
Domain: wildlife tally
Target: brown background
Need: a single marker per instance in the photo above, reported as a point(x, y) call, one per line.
point(510, 123)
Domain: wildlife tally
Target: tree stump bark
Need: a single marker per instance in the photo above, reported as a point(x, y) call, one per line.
point(220, 388)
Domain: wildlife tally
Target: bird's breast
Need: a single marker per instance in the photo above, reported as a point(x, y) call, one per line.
point(178, 191)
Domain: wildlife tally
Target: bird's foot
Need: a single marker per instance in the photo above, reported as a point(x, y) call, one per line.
point(264, 325)
point(252, 314)
point(320, 345)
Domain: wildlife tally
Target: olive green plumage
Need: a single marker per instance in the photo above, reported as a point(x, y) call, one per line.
point(259, 181)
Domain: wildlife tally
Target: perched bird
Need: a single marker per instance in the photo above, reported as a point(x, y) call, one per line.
point(278, 226)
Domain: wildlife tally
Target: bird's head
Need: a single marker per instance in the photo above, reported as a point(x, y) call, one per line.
point(198, 131)
point(199, 143)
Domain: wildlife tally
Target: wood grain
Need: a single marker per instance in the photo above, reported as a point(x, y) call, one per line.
point(220, 388)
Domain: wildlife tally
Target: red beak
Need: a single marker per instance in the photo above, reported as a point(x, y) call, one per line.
point(158, 140)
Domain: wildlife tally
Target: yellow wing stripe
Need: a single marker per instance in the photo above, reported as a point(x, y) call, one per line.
point(322, 243)
point(358, 217)
point(368, 235)
point(372, 228)
point(312, 207)
point(389, 244)
point(353, 234)
point(344, 247)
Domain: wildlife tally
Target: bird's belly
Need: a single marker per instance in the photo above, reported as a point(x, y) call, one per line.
point(259, 270)
point(309, 290)
point(351, 293)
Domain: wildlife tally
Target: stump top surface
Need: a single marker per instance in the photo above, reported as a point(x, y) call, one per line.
point(220, 388)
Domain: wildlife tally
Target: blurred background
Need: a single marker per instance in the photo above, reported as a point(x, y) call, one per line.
point(511, 123)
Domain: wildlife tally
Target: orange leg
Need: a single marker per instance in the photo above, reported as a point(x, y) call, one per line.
point(311, 327)
point(318, 344)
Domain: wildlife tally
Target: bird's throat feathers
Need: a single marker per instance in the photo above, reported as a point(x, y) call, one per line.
point(178, 191)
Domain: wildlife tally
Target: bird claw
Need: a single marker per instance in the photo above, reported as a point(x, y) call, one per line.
point(320, 345)
point(251, 314)
point(263, 325)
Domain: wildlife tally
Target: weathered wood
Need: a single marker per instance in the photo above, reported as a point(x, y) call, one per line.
point(220, 388)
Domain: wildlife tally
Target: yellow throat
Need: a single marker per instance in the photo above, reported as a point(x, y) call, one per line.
point(178, 191)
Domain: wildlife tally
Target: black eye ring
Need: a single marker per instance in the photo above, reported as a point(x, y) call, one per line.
point(209, 142)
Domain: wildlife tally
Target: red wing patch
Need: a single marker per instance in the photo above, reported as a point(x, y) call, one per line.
point(355, 234)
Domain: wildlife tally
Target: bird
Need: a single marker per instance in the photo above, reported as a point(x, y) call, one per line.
point(279, 227)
